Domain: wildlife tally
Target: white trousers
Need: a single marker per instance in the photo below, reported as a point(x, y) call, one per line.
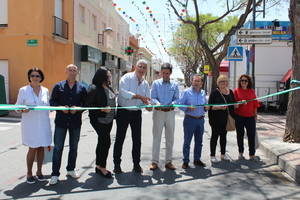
point(160, 120)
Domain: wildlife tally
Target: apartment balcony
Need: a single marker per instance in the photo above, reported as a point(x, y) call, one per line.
point(61, 28)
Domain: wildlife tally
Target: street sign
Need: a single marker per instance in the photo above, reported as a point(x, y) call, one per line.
point(32, 43)
point(255, 40)
point(206, 69)
point(254, 32)
point(235, 53)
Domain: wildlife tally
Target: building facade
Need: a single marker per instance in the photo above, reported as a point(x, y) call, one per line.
point(34, 33)
point(101, 36)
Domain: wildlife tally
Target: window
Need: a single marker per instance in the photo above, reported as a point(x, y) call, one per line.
point(59, 8)
point(94, 21)
point(3, 13)
point(82, 13)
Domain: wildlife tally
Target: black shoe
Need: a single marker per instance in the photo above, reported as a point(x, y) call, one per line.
point(117, 170)
point(108, 175)
point(199, 163)
point(185, 165)
point(41, 178)
point(138, 169)
point(30, 180)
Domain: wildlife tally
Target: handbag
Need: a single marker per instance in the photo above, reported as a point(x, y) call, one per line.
point(230, 126)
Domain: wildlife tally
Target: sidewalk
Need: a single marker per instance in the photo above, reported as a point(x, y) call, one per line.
point(270, 129)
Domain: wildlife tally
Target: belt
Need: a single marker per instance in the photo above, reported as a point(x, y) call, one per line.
point(164, 109)
point(194, 117)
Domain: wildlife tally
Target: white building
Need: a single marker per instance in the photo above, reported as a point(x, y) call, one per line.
point(272, 61)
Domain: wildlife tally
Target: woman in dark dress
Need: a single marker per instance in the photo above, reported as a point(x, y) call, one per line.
point(218, 116)
point(100, 94)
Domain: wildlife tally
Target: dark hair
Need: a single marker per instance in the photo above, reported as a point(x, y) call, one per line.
point(101, 77)
point(35, 69)
point(166, 66)
point(249, 81)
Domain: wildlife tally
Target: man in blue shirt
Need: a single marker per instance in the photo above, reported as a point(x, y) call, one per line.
point(67, 93)
point(164, 92)
point(193, 123)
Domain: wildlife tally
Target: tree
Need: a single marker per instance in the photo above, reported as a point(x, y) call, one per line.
point(186, 49)
point(292, 130)
point(218, 52)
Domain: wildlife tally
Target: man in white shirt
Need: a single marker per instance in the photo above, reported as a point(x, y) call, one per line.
point(134, 91)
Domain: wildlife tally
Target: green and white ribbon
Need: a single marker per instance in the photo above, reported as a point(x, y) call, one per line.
point(32, 107)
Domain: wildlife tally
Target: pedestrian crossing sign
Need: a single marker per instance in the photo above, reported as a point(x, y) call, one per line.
point(235, 53)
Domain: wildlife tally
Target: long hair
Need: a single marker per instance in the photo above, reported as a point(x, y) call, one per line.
point(250, 84)
point(101, 77)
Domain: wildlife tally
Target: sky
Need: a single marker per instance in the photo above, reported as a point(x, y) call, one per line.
point(156, 31)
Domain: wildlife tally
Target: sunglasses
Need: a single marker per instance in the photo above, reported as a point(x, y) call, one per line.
point(35, 76)
point(244, 80)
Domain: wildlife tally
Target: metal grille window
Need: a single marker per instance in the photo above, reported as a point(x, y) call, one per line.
point(61, 28)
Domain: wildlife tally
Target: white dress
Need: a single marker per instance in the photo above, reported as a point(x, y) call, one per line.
point(35, 125)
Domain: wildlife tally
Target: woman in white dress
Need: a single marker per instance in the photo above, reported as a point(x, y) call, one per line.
point(35, 125)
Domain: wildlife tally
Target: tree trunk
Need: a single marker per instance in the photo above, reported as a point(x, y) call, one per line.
point(292, 130)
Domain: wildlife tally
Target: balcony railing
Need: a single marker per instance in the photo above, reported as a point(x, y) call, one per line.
point(61, 28)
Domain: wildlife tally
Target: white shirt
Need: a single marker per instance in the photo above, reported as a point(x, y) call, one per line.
point(130, 86)
point(35, 125)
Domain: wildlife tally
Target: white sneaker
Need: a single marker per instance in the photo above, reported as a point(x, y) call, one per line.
point(213, 159)
point(224, 158)
point(73, 174)
point(54, 180)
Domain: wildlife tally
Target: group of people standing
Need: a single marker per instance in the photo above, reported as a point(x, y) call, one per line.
point(134, 93)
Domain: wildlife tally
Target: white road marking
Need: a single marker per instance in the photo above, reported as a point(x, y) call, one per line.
point(5, 128)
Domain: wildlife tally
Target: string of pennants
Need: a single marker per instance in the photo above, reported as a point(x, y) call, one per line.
point(150, 14)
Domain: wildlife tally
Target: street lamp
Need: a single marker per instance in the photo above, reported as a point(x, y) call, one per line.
point(101, 35)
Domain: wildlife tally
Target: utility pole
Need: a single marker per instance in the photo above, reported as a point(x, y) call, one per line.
point(253, 45)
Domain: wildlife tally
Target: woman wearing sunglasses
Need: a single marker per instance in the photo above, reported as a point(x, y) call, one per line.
point(246, 115)
point(35, 125)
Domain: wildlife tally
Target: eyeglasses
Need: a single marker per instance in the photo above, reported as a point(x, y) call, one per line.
point(35, 76)
point(244, 80)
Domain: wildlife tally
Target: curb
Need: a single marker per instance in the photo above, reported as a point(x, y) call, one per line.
point(275, 153)
point(10, 119)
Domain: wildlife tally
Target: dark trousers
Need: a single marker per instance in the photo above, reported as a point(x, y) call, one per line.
point(250, 125)
point(217, 132)
point(59, 141)
point(134, 119)
point(103, 132)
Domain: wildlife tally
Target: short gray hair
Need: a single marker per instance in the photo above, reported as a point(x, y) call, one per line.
point(142, 61)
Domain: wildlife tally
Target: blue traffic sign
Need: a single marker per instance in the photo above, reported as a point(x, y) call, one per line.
point(235, 53)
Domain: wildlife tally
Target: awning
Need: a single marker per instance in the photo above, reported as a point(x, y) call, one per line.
point(287, 76)
point(224, 66)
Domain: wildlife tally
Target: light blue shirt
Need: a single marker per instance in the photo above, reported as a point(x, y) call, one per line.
point(130, 86)
point(192, 97)
point(164, 93)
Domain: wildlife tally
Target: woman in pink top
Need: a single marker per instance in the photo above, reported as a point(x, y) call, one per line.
point(246, 115)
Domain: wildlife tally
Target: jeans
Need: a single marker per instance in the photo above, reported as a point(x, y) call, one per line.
point(124, 119)
point(192, 127)
point(250, 125)
point(103, 132)
point(59, 141)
